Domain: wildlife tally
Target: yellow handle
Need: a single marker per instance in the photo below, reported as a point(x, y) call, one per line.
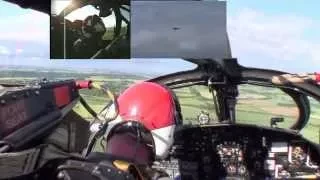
point(106, 90)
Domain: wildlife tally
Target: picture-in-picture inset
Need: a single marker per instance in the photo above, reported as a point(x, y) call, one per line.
point(90, 29)
point(179, 29)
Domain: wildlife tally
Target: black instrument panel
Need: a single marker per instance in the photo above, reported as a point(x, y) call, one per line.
point(244, 152)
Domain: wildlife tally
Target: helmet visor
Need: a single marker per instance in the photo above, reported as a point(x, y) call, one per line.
point(131, 140)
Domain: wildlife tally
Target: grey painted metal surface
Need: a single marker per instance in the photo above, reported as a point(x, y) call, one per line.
point(179, 29)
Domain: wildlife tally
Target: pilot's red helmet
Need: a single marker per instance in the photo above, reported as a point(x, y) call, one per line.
point(156, 107)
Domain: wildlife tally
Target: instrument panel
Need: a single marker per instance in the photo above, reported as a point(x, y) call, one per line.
point(244, 152)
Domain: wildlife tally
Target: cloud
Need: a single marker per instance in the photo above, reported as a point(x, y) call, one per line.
point(31, 26)
point(277, 37)
point(19, 51)
point(4, 50)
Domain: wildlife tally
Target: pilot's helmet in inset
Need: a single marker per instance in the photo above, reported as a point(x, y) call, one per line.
point(93, 26)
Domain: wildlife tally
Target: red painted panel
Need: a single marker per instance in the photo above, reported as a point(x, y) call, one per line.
point(62, 95)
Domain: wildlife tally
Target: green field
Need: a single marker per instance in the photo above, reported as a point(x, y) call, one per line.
point(256, 105)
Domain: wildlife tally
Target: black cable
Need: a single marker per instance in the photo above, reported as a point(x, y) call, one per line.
point(88, 108)
point(106, 106)
point(118, 15)
point(91, 144)
point(102, 145)
point(124, 19)
point(124, 8)
point(104, 127)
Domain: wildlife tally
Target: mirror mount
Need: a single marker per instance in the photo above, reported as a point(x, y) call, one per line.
point(275, 120)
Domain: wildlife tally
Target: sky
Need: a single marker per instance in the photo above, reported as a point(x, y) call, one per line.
point(272, 34)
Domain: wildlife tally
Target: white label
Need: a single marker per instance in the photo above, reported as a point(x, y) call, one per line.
point(279, 147)
point(271, 155)
point(270, 164)
point(277, 167)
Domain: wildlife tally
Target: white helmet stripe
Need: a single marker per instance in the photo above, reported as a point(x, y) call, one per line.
point(163, 139)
